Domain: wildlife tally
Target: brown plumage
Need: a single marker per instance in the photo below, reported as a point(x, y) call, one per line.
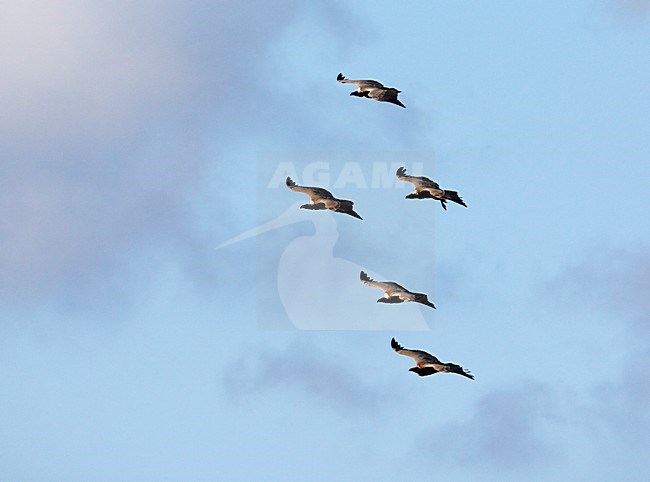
point(427, 364)
point(425, 188)
point(372, 90)
point(323, 199)
point(394, 293)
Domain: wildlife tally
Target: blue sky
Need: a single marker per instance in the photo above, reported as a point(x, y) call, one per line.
point(136, 140)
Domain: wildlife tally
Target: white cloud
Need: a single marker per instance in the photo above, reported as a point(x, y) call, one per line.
point(106, 115)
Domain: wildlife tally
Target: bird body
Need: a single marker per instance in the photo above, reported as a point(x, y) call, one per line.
point(373, 90)
point(427, 364)
point(425, 188)
point(323, 199)
point(395, 293)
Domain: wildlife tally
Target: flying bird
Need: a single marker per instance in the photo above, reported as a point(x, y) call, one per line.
point(323, 199)
point(394, 293)
point(373, 90)
point(427, 364)
point(425, 188)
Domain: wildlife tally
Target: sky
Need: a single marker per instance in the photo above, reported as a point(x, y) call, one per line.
point(168, 312)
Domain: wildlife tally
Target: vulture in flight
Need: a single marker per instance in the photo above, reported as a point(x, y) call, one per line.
point(394, 293)
point(427, 364)
point(323, 199)
point(425, 188)
point(373, 90)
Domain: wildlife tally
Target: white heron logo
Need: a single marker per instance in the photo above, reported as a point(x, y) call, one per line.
point(320, 291)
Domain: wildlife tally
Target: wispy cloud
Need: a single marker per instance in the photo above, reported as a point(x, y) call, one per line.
point(621, 405)
point(505, 433)
point(312, 374)
point(615, 279)
point(633, 7)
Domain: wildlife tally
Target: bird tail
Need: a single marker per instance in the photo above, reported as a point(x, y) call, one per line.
point(346, 207)
point(453, 368)
point(453, 196)
point(422, 298)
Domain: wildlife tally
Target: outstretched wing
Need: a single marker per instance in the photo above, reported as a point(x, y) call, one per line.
point(390, 300)
point(426, 182)
point(315, 193)
point(385, 286)
point(314, 206)
point(418, 355)
point(453, 196)
point(362, 84)
point(417, 181)
point(402, 176)
point(424, 371)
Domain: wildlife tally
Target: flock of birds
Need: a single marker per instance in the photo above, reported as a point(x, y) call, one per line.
point(425, 188)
